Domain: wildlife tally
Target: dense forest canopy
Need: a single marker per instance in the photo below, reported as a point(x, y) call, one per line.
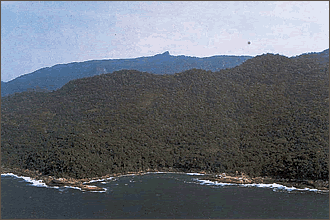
point(266, 117)
point(320, 57)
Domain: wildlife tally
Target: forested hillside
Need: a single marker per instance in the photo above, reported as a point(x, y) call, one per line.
point(266, 117)
point(320, 57)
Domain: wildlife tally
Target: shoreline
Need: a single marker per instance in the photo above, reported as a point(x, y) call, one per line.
point(231, 179)
point(290, 184)
point(51, 181)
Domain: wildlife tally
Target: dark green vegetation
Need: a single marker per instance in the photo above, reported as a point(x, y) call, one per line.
point(266, 117)
point(52, 78)
point(321, 57)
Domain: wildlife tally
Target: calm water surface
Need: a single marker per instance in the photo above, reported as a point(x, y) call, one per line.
point(158, 196)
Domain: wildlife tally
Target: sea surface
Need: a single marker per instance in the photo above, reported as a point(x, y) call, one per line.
point(159, 195)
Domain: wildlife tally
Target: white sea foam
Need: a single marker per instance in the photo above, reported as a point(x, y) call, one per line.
point(99, 180)
point(195, 174)
point(78, 188)
point(276, 187)
point(40, 183)
point(73, 187)
point(37, 183)
point(273, 186)
point(99, 191)
point(209, 182)
point(93, 181)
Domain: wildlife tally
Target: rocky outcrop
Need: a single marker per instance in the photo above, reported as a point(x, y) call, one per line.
point(65, 182)
point(244, 179)
point(52, 181)
point(225, 178)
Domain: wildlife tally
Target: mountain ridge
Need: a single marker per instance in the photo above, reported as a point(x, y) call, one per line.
point(52, 78)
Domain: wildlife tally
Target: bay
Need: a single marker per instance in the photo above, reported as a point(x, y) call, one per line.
point(158, 195)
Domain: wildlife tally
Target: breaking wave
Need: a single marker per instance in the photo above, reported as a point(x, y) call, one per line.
point(274, 186)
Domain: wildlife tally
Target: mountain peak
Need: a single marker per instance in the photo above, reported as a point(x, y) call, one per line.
point(166, 53)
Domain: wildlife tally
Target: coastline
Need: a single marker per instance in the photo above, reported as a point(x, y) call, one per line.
point(82, 184)
point(289, 184)
point(230, 179)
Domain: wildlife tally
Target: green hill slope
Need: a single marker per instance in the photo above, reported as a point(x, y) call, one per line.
point(266, 117)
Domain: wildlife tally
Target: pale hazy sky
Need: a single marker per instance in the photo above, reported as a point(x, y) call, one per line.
point(42, 34)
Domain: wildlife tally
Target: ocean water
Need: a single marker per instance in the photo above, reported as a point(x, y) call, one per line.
point(159, 195)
